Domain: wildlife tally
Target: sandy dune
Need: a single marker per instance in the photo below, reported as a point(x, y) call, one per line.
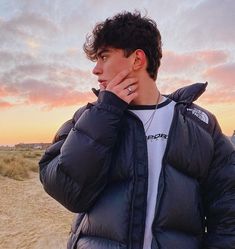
point(29, 218)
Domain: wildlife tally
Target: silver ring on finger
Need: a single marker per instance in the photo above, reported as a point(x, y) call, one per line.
point(129, 90)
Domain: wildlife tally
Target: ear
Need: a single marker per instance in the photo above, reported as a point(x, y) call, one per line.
point(140, 59)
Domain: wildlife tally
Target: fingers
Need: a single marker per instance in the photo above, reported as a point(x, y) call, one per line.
point(129, 90)
point(119, 78)
point(124, 84)
point(127, 94)
point(125, 91)
point(130, 97)
point(125, 88)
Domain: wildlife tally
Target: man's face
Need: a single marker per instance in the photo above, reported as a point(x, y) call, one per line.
point(110, 62)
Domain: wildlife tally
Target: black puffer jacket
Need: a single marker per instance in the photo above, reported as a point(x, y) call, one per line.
point(97, 167)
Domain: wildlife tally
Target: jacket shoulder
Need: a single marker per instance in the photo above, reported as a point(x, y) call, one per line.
point(202, 117)
point(188, 94)
point(208, 122)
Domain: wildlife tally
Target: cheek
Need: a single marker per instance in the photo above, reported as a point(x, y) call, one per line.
point(120, 66)
point(115, 67)
point(112, 71)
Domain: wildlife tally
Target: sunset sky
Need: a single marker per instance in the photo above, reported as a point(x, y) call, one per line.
point(45, 76)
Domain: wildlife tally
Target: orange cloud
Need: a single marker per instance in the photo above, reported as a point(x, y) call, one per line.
point(48, 95)
point(223, 75)
point(48, 72)
point(51, 96)
point(211, 57)
point(49, 85)
point(217, 97)
point(5, 104)
point(7, 90)
point(223, 79)
point(220, 88)
point(2, 92)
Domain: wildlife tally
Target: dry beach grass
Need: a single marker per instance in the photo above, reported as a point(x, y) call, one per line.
point(17, 164)
point(30, 219)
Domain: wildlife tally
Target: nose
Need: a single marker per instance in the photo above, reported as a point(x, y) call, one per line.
point(97, 70)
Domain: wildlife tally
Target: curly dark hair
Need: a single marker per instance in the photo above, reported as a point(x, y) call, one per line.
point(127, 31)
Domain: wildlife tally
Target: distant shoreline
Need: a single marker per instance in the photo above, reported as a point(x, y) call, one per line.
point(26, 146)
point(38, 145)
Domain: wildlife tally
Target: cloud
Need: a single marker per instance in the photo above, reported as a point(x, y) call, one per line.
point(52, 73)
point(170, 84)
point(5, 104)
point(27, 23)
point(55, 81)
point(33, 46)
point(205, 23)
point(7, 90)
point(56, 34)
point(10, 59)
point(72, 51)
point(51, 96)
point(212, 57)
point(48, 96)
point(220, 89)
point(222, 74)
point(2, 91)
point(173, 62)
point(50, 86)
point(26, 29)
point(22, 71)
point(222, 79)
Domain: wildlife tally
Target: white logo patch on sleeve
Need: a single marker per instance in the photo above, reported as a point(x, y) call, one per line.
point(200, 114)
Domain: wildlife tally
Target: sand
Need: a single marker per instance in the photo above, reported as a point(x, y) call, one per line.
point(29, 218)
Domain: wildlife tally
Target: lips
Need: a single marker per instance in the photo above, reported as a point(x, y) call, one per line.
point(103, 82)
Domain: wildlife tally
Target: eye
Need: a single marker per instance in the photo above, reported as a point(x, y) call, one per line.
point(103, 57)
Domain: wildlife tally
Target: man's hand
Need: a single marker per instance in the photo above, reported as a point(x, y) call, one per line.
point(123, 87)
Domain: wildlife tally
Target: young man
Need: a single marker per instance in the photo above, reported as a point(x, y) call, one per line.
point(141, 170)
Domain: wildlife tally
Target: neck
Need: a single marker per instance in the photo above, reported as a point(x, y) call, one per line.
point(148, 93)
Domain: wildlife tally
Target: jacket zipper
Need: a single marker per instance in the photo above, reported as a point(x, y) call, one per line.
point(162, 173)
point(134, 191)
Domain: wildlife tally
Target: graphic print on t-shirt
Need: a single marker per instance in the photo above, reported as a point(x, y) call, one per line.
point(157, 137)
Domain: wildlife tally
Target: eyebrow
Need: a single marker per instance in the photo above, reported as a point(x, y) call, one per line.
point(104, 50)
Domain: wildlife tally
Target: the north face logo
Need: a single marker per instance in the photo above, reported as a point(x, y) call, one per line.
point(200, 114)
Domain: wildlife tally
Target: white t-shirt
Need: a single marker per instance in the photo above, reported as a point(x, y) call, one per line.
point(157, 135)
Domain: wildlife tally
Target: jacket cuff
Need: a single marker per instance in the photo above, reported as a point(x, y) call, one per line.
point(110, 99)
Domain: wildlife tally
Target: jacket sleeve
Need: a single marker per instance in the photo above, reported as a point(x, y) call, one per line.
point(220, 195)
point(74, 169)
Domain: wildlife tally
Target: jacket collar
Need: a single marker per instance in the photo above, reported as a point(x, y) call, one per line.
point(95, 91)
point(188, 94)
